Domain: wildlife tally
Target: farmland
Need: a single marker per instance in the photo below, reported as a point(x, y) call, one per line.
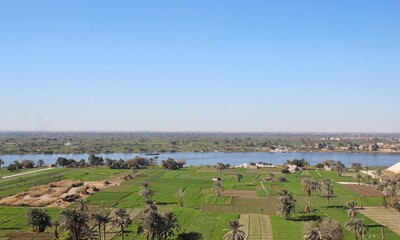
point(250, 201)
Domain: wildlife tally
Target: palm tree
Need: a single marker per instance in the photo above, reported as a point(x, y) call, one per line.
point(358, 178)
point(121, 219)
point(234, 232)
point(339, 167)
point(39, 219)
point(74, 221)
point(170, 223)
point(357, 226)
point(151, 224)
point(146, 191)
point(181, 196)
point(219, 167)
point(286, 204)
point(313, 233)
point(239, 177)
point(97, 220)
point(40, 163)
point(1, 162)
point(82, 205)
point(149, 206)
point(88, 234)
point(309, 186)
point(327, 189)
point(105, 220)
point(356, 166)
point(56, 225)
point(390, 192)
point(351, 212)
point(326, 229)
point(218, 188)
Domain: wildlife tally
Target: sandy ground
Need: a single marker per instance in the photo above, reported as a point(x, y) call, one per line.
point(59, 194)
point(385, 216)
point(395, 168)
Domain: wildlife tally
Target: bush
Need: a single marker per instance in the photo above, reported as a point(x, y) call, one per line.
point(77, 184)
point(282, 179)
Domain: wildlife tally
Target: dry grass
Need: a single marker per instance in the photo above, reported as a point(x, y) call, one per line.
point(9, 200)
point(39, 191)
point(43, 202)
point(24, 202)
point(57, 192)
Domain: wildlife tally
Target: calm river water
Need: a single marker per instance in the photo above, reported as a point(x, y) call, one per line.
point(234, 158)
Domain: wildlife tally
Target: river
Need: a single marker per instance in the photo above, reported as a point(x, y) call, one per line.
point(234, 158)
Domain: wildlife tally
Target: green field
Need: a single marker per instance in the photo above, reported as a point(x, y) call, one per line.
point(203, 211)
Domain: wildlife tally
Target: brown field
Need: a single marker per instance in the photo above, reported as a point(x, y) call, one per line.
point(58, 194)
point(276, 188)
point(256, 226)
point(240, 193)
point(387, 217)
point(364, 190)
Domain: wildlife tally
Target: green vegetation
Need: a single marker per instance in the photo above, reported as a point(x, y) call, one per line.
point(188, 194)
point(81, 142)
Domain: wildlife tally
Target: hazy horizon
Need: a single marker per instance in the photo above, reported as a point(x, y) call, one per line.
point(207, 66)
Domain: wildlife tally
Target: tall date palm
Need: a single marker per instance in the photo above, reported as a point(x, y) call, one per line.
point(121, 219)
point(286, 204)
point(234, 233)
point(327, 189)
point(309, 185)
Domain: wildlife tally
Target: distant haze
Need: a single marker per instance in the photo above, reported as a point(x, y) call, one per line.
point(227, 66)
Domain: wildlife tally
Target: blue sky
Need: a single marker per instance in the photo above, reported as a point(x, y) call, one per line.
point(200, 65)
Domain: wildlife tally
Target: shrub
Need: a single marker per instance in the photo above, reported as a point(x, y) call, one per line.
point(77, 184)
point(282, 179)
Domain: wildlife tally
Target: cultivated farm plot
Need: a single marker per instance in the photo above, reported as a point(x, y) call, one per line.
point(385, 216)
point(240, 193)
point(239, 205)
point(256, 227)
point(363, 190)
point(112, 231)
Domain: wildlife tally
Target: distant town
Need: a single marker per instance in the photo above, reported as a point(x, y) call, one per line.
point(161, 142)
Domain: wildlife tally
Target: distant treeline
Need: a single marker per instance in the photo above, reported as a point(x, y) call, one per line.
point(96, 161)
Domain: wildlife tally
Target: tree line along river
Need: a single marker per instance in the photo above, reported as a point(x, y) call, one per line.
point(234, 158)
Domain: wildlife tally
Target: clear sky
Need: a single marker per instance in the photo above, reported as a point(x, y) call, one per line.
point(200, 65)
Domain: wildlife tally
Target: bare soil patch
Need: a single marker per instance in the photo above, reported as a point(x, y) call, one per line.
point(256, 226)
point(364, 190)
point(385, 216)
point(240, 193)
point(276, 188)
point(59, 194)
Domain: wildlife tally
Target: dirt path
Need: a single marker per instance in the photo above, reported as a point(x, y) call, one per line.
point(256, 226)
point(262, 185)
point(385, 216)
point(25, 173)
